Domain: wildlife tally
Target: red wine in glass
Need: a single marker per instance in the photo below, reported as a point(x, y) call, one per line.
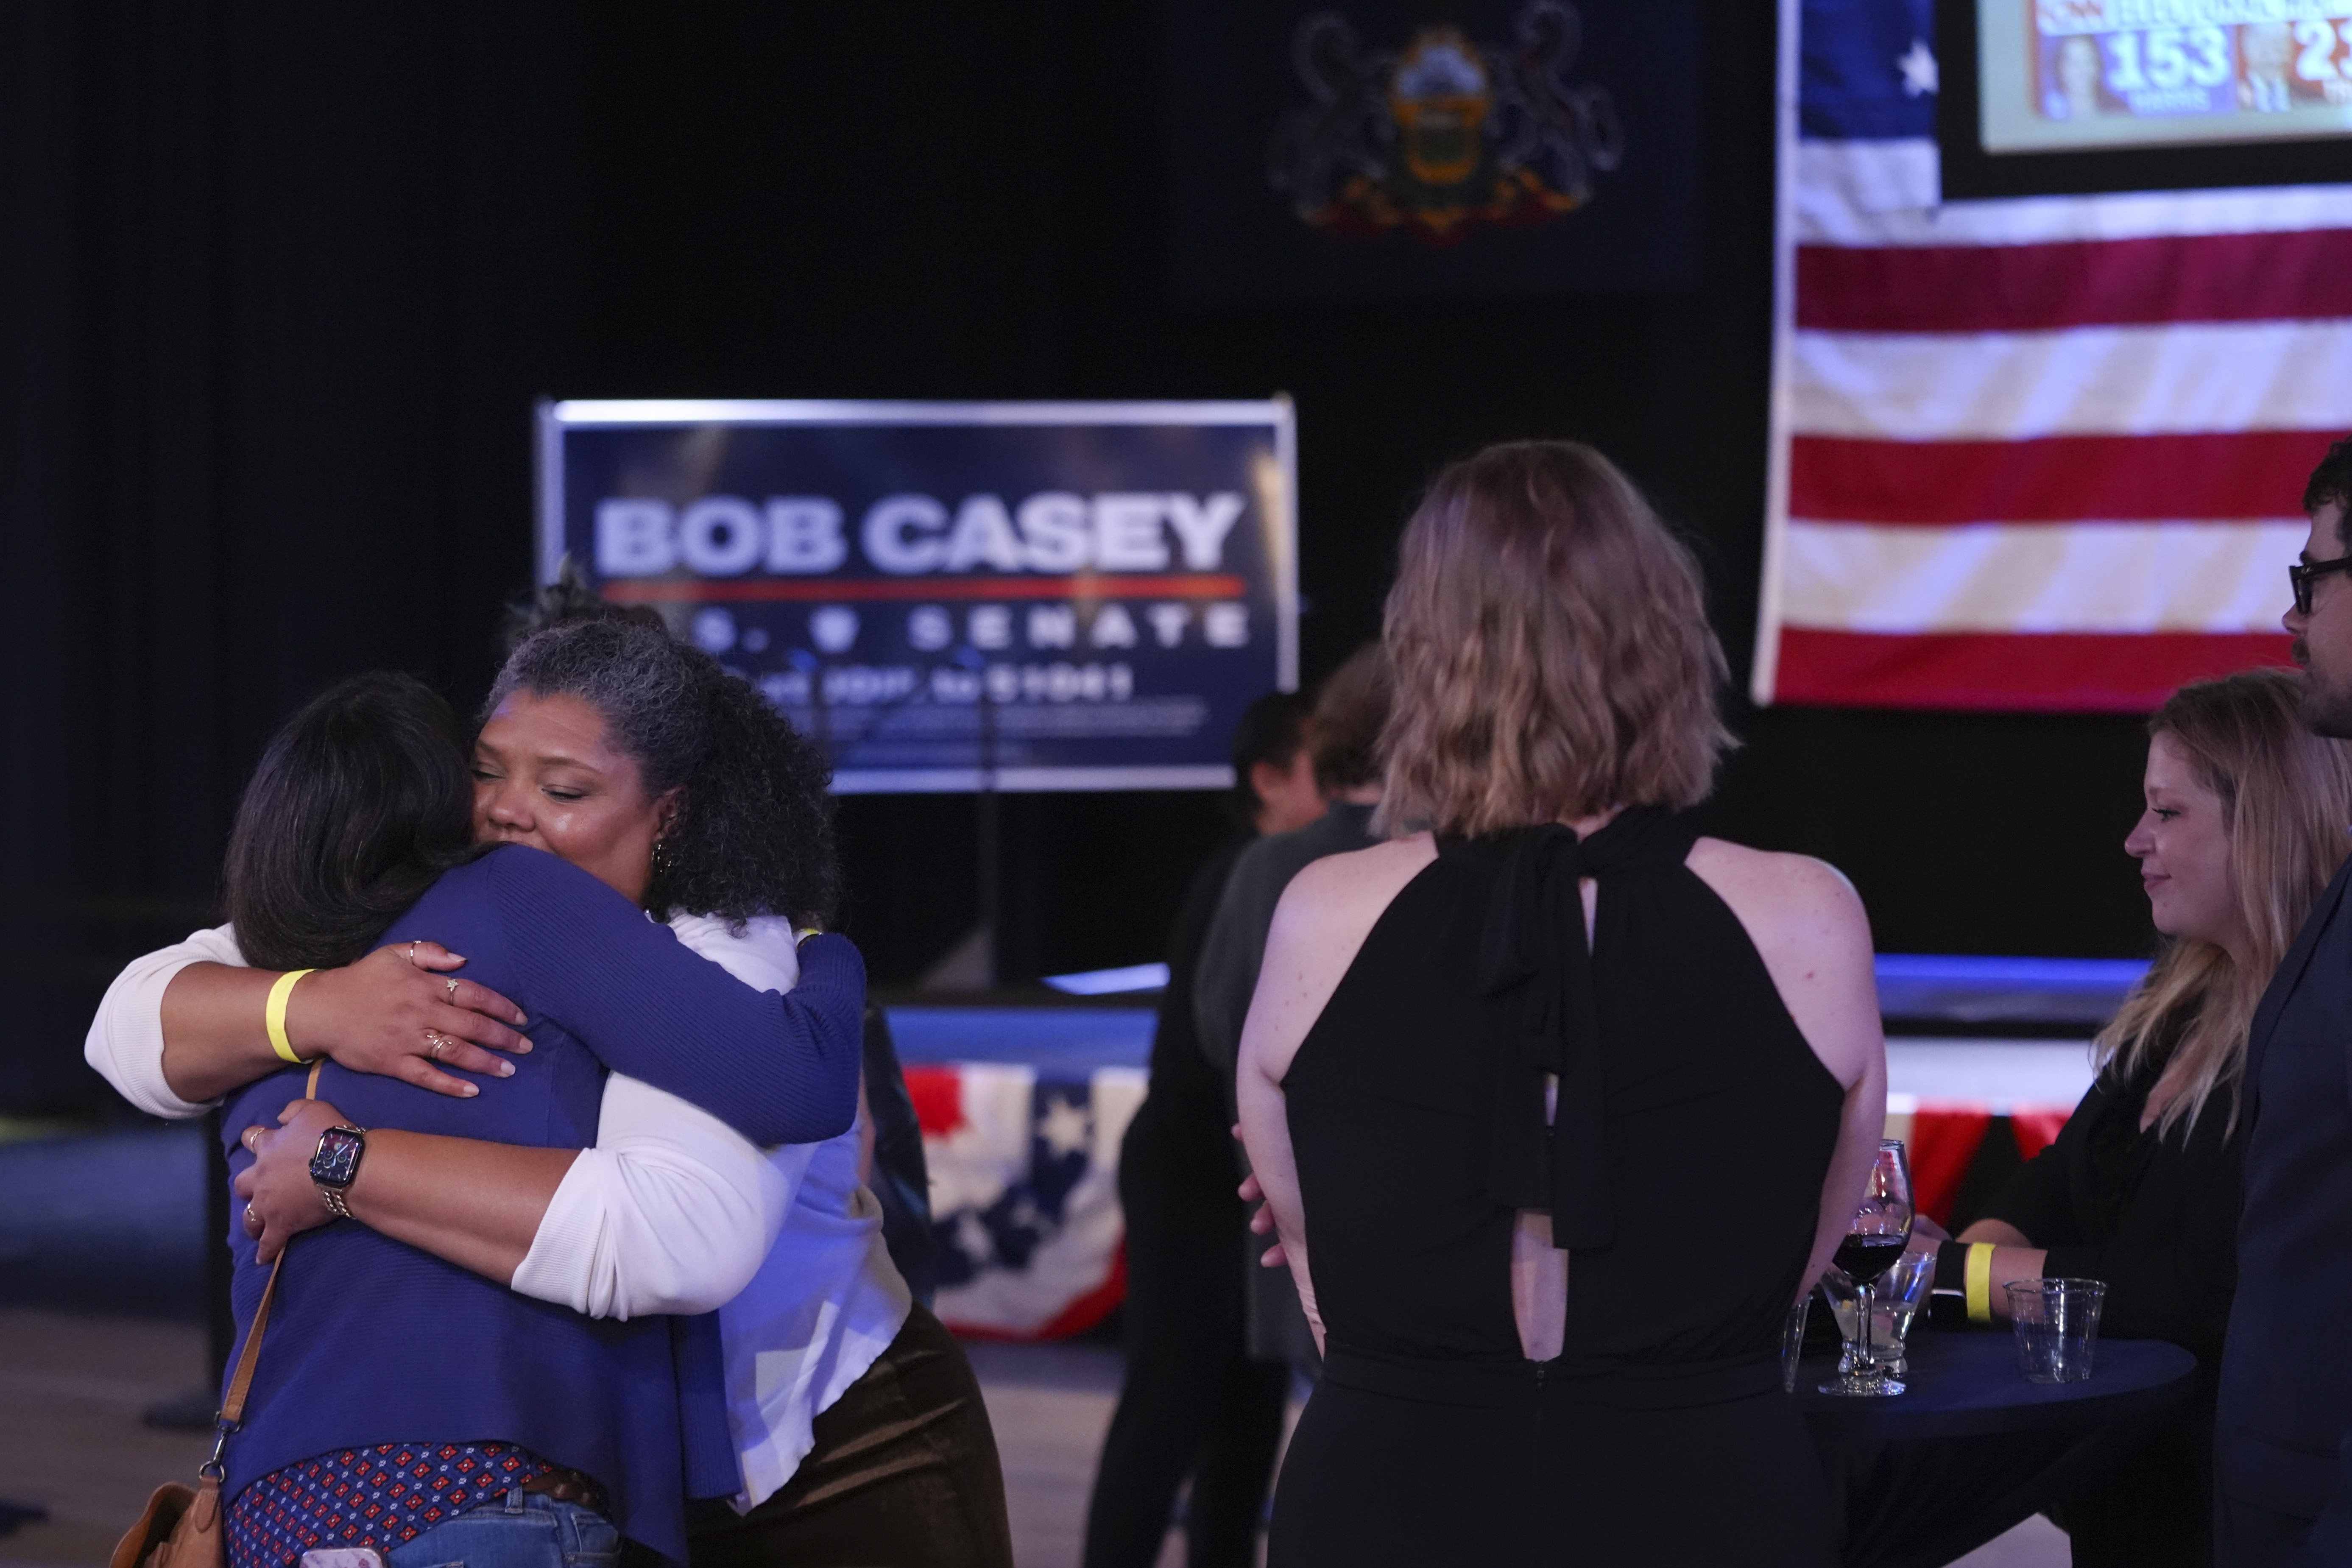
point(1865, 1257)
point(1874, 1238)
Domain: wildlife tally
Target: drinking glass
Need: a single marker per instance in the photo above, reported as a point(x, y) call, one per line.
point(2057, 1327)
point(1792, 1342)
point(1874, 1239)
point(1899, 1294)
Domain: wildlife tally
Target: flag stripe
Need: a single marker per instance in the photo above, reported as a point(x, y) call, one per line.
point(1848, 192)
point(2250, 473)
point(2009, 672)
point(2104, 577)
point(1885, 193)
point(2027, 287)
point(2087, 381)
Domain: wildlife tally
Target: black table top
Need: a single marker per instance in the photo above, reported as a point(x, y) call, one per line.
point(1966, 1383)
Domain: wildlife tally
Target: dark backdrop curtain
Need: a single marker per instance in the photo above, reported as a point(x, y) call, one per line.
point(279, 284)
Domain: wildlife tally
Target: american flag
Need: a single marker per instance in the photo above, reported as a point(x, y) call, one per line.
point(2034, 454)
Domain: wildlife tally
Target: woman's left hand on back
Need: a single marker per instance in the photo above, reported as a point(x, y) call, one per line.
point(397, 1013)
point(281, 1202)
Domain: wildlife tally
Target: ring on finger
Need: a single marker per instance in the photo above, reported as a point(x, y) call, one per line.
point(434, 1040)
point(453, 988)
point(251, 1218)
point(412, 952)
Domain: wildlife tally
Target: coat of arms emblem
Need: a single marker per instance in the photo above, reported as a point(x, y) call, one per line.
point(1445, 133)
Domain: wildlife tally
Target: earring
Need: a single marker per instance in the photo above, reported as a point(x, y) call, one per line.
point(664, 858)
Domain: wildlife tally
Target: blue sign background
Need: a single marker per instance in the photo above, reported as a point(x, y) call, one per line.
point(1067, 596)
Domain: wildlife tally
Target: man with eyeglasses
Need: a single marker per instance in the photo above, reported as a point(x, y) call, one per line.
point(2282, 1428)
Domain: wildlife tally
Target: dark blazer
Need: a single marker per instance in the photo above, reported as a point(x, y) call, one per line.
point(2284, 1407)
point(1235, 943)
point(1181, 1143)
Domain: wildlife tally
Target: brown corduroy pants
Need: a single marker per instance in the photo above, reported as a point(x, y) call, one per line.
point(903, 1475)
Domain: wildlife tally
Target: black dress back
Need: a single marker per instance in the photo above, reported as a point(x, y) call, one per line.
point(1682, 1167)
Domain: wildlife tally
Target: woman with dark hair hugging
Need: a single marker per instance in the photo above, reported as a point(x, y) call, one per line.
point(639, 761)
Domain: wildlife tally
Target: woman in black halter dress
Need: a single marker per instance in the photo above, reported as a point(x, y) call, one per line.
point(1560, 1018)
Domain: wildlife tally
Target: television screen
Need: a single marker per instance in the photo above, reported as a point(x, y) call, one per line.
point(2080, 74)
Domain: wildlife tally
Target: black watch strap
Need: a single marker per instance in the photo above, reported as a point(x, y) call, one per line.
point(1951, 1268)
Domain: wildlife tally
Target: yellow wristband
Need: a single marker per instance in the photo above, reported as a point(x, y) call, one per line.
point(273, 1014)
point(1978, 1279)
point(805, 932)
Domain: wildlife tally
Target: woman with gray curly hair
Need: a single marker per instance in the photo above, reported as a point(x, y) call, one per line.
point(638, 759)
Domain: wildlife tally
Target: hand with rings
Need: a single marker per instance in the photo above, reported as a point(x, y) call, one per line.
point(280, 1199)
point(399, 1012)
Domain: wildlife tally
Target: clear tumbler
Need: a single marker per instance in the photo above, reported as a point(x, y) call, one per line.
point(1792, 1342)
point(1902, 1290)
point(2057, 1327)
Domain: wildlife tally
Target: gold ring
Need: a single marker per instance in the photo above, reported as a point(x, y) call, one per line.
point(434, 1040)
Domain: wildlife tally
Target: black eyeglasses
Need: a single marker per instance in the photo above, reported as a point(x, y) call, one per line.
point(2300, 575)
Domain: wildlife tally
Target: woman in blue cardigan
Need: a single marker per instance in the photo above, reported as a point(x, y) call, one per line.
point(403, 1401)
point(879, 1446)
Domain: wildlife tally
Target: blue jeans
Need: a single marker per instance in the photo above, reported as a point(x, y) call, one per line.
point(523, 1531)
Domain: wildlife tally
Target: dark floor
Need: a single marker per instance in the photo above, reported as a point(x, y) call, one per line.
point(102, 1243)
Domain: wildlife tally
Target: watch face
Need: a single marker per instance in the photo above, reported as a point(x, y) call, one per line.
point(338, 1159)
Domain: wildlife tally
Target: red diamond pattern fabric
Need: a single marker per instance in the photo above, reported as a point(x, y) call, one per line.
point(380, 1496)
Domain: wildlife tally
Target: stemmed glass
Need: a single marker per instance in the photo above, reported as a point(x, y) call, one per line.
point(1876, 1237)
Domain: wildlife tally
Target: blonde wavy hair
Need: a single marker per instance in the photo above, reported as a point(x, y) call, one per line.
point(1551, 649)
point(2286, 797)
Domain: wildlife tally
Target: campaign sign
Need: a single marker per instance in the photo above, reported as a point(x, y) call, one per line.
point(953, 597)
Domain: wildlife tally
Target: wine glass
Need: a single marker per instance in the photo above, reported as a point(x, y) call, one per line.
point(1874, 1238)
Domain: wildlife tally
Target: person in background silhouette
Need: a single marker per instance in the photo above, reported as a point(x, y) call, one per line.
point(1195, 1401)
point(1349, 709)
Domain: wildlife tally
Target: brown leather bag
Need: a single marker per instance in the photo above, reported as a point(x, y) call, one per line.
point(182, 1525)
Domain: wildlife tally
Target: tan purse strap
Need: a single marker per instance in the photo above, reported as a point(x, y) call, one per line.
point(240, 1383)
point(232, 1410)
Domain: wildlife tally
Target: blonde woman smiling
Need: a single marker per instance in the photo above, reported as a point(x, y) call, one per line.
point(2244, 824)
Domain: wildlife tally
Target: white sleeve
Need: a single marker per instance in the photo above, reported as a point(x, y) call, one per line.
point(672, 1211)
point(126, 1040)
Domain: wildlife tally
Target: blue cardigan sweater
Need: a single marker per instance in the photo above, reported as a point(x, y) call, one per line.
point(374, 1342)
